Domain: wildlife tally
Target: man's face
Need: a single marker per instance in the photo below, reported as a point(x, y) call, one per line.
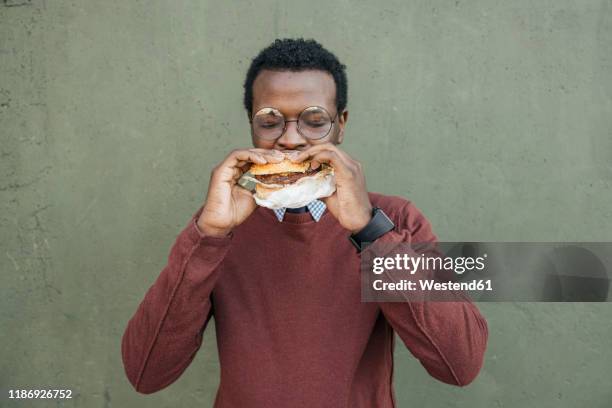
point(291, 92)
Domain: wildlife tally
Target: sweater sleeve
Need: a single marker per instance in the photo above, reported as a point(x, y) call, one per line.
point(448, 337)
point(164, 334)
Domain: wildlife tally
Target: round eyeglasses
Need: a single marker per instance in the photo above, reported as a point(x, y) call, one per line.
point(314, 122)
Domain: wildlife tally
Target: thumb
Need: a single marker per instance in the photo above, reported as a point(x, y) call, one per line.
point(331, 202)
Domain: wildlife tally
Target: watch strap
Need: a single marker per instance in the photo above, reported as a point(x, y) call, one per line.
point(379, 225)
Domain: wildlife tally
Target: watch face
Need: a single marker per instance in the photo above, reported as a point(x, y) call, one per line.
point(387, 219)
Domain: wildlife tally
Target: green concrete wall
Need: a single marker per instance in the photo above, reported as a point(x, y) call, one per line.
point(494, 117)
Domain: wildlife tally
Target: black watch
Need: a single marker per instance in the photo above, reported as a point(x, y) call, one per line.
point(379, 225)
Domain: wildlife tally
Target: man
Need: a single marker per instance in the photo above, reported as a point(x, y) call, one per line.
point(284, 285)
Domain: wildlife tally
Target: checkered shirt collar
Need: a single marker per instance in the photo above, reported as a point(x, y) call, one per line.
point(316, 209)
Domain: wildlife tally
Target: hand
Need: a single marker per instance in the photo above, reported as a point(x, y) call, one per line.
point(227, 203)
point(350, 203)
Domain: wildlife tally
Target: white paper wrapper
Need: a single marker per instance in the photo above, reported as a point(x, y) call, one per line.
point(300, 193)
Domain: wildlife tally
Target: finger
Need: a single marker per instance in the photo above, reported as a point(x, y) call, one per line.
point(266, 151)
point(244, 166)
point(260, 150)
point(308, 153)
point(343, 155)
point(291, 154)
point(331, 158)
point(239, 161)
point(238, 172)
point(272, 156)
point(304, 154)
point(238, 156)
point(225, 171)
point(331, 202)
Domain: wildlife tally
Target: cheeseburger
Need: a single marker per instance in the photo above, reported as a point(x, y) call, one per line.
point(291, 185)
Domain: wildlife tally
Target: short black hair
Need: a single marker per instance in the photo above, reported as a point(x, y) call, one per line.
point(296, 55)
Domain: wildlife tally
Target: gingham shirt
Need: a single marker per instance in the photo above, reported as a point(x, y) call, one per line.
point(316, 209)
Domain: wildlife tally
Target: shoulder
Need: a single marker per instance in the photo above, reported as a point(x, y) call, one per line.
point(403, 212)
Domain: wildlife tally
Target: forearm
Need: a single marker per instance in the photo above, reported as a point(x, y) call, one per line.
point(445, 331)
point(448, 338)
point(164, 334)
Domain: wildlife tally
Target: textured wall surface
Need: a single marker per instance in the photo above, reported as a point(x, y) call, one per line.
point(494, 117)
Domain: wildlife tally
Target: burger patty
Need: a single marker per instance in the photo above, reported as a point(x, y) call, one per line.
point(285, 178)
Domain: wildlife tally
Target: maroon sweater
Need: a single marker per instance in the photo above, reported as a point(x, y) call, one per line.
point(291, 328)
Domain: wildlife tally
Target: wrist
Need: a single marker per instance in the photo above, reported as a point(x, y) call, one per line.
point(209, 231)
point(363, 221)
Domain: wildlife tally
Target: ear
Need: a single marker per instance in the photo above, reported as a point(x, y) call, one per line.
point(342, 119)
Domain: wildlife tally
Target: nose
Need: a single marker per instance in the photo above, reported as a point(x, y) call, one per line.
point(291, 139)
